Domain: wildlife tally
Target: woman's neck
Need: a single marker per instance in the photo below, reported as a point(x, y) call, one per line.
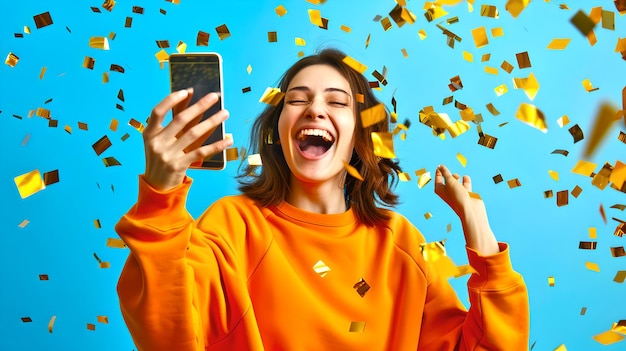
point(326, 198)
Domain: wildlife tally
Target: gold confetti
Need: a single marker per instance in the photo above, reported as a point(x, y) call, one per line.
point(592, 266)
point(272, 37)
point(608, 337)
point(618, 176)
point(433, 11)
point(345, 28)
point(577, 191)
point(26, 29)
point(515, 7)
point(321, 268)
point(562, 121)
point(103, 319)
point(404, 53)
point(523, 60)
point(507, 67)
point(404, 176)
point(620, 277)
point(497, 32)
point(101, 145)
point(29, 183)
point(605, 117)
point(593, 232)
point(255, 160)
point(26, 319)
point(530, 85)
point(11, 59)
point(280, 10)
point(618, 251)
point(554, 175)
point(551, 281)
point(101, 43)
point(428, 215)
point(300, 42)
point(587, 245)
point(43, 71)
point(51, 323)
point(547, 194)
point(91, 326)
point(136, 124)
point(361, 287)
point(457, 128)
point(105, 265)
point(480, 37)
point(462, 159)
point(354, 64)
point(222, 31)
point(24, 223)
point(561, 348)
point(108, 5)
point(588, 86)
point(272, 96)
point(202, 38)
point(373, 115)
point(559, 43)
point(352, 171)
point(583, 23)
point(356, 327)
point(489, 11)
point(386, 23)
point(423, 179)
point(43, 20)
point(583, 311)
point(576, 133)
point(44, 277)
point(513, 183)
point(584, 168)
point(315, 17)
point(97, 224)
point(501, 89)
point(422, 34)
point(532, 116)
point(181, 47)
point(110, 162)
point(497, 178)
point(383, 144)
point(115, 243)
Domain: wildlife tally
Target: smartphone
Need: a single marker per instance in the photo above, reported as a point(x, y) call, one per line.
point(203, 73)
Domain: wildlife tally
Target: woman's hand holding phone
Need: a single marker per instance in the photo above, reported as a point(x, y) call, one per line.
point(167, 148)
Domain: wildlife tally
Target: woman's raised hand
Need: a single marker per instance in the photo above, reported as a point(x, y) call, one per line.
point(171, 149)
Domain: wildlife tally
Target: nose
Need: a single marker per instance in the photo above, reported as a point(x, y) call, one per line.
point(316, 109)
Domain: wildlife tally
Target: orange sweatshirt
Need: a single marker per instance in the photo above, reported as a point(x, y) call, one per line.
point(242, 277)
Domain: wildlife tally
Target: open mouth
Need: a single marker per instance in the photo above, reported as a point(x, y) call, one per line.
point(314, 142)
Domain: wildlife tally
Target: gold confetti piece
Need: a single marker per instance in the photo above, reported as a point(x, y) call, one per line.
point(404, 53)
point(51, 177)
point(618, 176)
point(497, 178)
point(321, 268)
point(501, 89)
point(404, 176)
point(551, 281)
point(497, 32)
point(280, 10)
point(300, 42)
point(530, 85)
point(584, 168)
point(515, 7)
point(468, 56)
point(559, 43)
point(457, 128)
point(202, 38)
point(588, 86)
point(11, 59)
point(136, 124)
point(115, 243)
point(433, 11)
point(101, 43)
point(383, 144)
point(532, 116)
point(577, 191)
point(24, 223)
point(125, 136)
point(485, 57)
point(101, 145)
point(361, 287)
point(618, 251)
point(593, 232)
point(138, 9)
point(620, 277)
point(386, 23)
point(433, 251)
point(43, 71)
point(315, 17)
point(423, 179)
point(105, 77)
point(489, 11)
point(480, 37)
point(68, 129)
point(26, 319)
point(91, 326)
point(272, 37)
point(51, 323)
point(29, 183)
point(428, 215)
point(547, 194)
point(562, 121)
point(587, 245)
point(232, 154)
point(26, 29)
point(608, 337)
point(105, 265)
point(467, 114)
point(128, 22)
point(110, 162)
point(507, 67)
point(96, 223)
point(43, 277)
point(592, 266)
point(562, 198)
point(356, 327)
point(354, 64)
point(576, 133)
point(352, 171)
point(462, 159)
point(583, 23)
point(562, 346)
point(272, 96)
point(373, 115)
point(554, 175)
point(619, 207)
point(605, 117)
point(181, 47)
point(422, 34)
point(602, 214)
point(103, 319)
point(492, 109)
point(222, 31)
point(108, 5)
point(583, 311)
point(254, 160)
point(523, 60)
point(43, 20)
point(514, 183)
point(89, 62)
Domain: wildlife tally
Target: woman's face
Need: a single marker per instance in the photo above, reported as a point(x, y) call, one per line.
point(316, 125)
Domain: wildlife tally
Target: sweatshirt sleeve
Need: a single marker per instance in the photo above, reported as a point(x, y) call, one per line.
point(174, 273)
point(498, 318)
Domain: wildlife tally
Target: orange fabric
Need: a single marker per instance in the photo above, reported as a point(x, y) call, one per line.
point(241, 278)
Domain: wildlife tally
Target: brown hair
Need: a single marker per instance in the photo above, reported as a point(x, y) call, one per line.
point(271, 185)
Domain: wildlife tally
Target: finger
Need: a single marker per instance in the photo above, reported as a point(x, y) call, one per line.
point(467, 183)
point(183, 104)
point(191, 113)
point(160, 110)
point(208, 150)
point(198, 133)
point(456, 176)
point(447, 176)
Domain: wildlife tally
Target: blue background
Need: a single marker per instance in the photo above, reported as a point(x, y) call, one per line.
point(61, 239)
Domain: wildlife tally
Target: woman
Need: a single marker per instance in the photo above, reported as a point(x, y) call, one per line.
point(304, 259)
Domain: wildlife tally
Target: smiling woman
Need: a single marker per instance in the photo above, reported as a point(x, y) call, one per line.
point(304, 258)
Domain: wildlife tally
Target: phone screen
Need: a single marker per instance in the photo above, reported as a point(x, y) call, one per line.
point(203, 73)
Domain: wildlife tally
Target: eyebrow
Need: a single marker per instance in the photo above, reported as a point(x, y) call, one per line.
point(305, 88)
